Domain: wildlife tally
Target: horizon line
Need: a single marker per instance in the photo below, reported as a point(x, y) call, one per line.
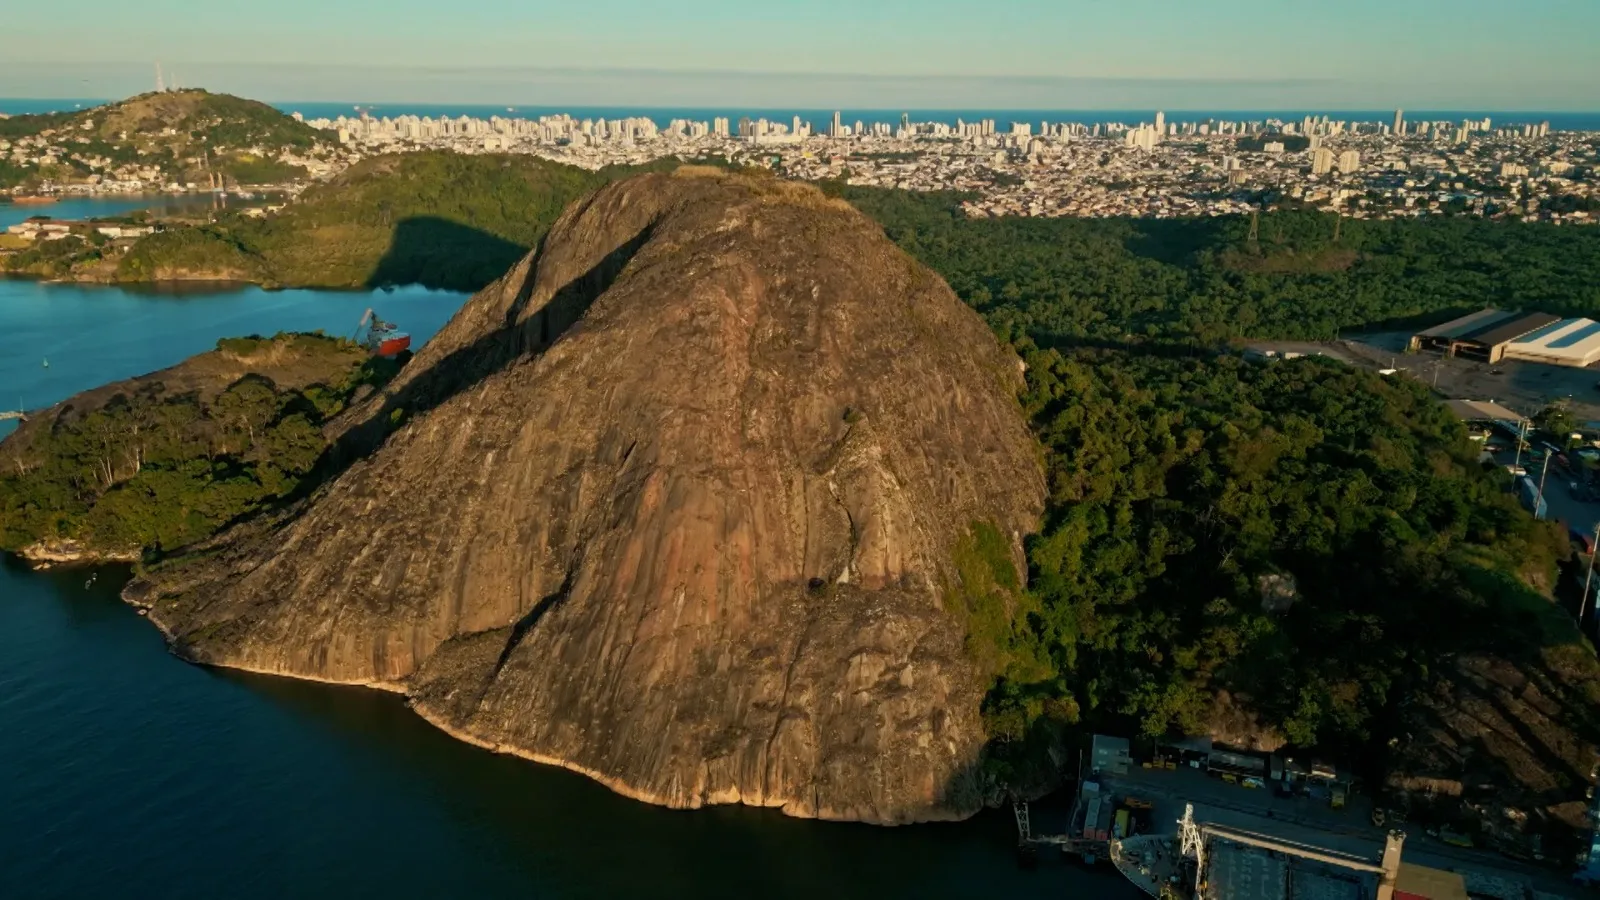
point(803, 108)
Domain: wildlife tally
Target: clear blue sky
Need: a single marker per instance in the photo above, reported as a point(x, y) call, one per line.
point(1240, 54)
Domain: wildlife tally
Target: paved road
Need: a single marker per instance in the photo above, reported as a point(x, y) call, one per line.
point(1560, 504)
point(1522, 386)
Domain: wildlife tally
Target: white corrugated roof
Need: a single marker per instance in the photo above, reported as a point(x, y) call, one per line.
point(1568, 341)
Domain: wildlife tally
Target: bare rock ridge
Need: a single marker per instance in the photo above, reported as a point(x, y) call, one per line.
point(672, 505)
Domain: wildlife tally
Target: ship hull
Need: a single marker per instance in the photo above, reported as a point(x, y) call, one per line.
point(394, 345)
point(1147, 861)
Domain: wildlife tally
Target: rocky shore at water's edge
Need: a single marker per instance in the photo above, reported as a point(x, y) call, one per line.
point(441, 722)
point(49, 554)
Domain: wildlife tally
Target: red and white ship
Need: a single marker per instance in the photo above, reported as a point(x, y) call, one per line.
point(382, 338)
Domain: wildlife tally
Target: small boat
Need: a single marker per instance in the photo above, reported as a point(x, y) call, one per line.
point(29, 200)
point(47, 363)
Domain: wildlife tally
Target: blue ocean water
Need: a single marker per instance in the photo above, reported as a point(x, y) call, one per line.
point(1560, 121)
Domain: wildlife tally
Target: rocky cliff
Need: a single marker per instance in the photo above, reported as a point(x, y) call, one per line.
point(670, 504)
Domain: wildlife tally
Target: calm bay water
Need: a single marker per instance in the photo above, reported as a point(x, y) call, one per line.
point(125, 772)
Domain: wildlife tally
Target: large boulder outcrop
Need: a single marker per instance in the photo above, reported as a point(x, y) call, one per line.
point(670, 504)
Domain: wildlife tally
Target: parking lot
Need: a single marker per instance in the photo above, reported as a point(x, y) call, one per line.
point(1522, 386)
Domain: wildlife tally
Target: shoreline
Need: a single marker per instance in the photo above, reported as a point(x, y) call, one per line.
point(218, 284)
point(422, 711)
point(200, 284)
point(59, 196)
point(43, 555)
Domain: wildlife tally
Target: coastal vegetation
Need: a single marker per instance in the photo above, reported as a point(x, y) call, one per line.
point(170, 458)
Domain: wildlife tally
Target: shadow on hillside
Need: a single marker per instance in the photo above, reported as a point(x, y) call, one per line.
point(1177, 242)
point(1091, 347)
point(466, 367)
point(441, 254)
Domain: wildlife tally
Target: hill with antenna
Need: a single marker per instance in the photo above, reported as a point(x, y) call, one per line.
point(186, 136)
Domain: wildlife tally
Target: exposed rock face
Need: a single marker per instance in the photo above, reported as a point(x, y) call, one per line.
point(45, 554)
point(672, 506)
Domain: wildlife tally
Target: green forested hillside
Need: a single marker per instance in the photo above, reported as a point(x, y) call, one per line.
point(1186, 490)
point(166, 459)
point(1202, 279)
point(1301, 555)
point(441, 219)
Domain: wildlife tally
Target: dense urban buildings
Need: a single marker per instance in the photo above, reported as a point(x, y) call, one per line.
point(1160, 167)
point(1154, 168)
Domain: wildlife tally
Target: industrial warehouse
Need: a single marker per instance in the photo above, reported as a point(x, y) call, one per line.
point(1494, 336)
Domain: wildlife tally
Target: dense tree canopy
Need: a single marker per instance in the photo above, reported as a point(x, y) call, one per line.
point(1305, 536)
point(163, 463)
point(1112, 280)
point(1283, 554)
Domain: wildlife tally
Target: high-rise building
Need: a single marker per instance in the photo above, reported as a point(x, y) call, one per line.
point(1349, 161)
point(1321, 161)
point(837, 128)
point(1161, 125)
point(1399, 122)
point(905, 121)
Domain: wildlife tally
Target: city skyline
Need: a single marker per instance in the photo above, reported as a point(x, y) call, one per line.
point(1239, 54)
